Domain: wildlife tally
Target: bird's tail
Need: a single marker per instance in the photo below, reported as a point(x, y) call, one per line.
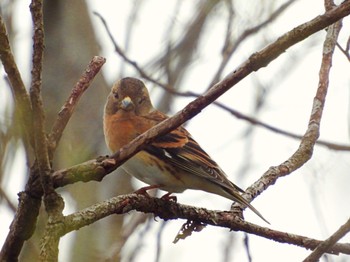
point(241, 200)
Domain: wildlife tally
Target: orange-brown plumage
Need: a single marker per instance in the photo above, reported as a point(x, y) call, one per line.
point(174, 162)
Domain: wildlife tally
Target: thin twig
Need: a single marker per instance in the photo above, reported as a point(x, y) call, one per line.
point(23, 224)
point(253, 121)
point(230, 48)
point(346, 54)
point(9, 203)
point(132, 19)
point(326, 245)
point(19, 91)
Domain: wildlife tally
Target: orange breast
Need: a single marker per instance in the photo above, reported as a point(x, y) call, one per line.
point(119, 131)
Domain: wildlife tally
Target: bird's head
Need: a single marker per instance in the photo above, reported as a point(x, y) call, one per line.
point(129, 95)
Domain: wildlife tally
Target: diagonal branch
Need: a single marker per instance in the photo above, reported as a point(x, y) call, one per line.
point(98, 168)
point(326, 245)
point(230, 47)
point(20, 93)
point(254, 121)
point(68, 108)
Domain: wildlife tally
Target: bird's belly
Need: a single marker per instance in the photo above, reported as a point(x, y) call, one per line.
point(146, 168)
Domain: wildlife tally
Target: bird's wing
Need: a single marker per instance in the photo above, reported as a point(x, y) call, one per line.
point(181, 150)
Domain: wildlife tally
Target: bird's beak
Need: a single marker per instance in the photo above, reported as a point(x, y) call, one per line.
point(126, 104)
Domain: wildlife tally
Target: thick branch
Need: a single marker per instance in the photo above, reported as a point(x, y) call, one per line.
point(170, 210)
point(40, 142)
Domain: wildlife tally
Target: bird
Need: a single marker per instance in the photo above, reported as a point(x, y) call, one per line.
point(173, 162)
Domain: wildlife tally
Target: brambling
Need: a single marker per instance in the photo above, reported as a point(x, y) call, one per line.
point(174, 162)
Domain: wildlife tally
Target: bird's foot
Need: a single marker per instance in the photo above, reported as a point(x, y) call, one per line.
point(143, 190)
point(169, 197)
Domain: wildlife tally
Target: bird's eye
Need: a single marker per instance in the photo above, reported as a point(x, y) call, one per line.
point(116, 95)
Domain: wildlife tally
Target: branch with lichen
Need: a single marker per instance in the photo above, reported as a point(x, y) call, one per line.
point(169, 210)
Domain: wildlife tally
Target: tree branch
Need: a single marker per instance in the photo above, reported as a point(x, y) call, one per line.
point(328, 50)
point(18, 89)
point(40, 142)
point(53, 202)
point(68, 108)
point(328, 243)
point(308, 141)
point(169, 210)
point(231, 47)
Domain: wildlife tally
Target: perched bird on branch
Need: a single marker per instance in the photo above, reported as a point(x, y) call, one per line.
point(173, 162)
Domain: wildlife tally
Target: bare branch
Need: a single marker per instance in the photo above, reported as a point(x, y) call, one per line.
point(53, 202)
point(230, 48)
point(18, 89)
point(68, 108)
point(344, 51)
point(22, 226)
point(118, 49)
point(136, 7)
point(40, 142)
point(254, 121)
point(170, 210)
point(308, 141)
point(328, 50)
point(328, 243)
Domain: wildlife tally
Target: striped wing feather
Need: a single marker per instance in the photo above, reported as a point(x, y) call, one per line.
point(182, 151)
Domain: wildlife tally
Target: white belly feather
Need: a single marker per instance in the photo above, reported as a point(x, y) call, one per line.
point(152, 175)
